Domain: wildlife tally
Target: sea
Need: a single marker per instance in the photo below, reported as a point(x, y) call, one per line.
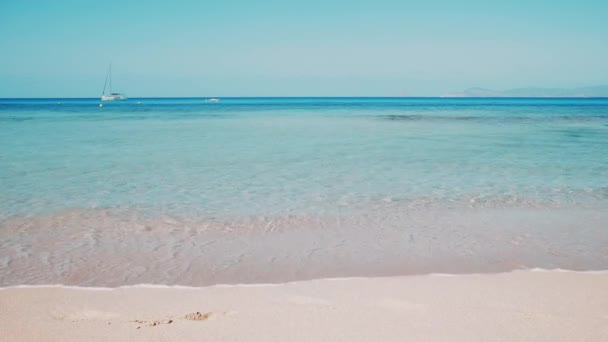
point(183, 191)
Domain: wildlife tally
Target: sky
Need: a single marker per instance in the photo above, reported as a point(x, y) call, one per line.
point(299, 48)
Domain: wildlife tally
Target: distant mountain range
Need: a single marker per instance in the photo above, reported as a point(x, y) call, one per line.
point(598, 91)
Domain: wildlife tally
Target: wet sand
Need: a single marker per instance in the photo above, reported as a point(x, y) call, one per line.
point(517, 306)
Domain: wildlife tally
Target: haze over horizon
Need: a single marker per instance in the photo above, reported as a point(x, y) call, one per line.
point(233, 48)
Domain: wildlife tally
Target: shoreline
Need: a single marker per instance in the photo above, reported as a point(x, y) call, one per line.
point(294, 282)
point(532, 305)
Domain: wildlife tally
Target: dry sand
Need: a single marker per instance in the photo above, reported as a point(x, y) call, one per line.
point(517, 306)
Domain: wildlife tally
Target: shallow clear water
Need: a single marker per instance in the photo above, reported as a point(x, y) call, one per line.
point(277, 156)
point(180, 191)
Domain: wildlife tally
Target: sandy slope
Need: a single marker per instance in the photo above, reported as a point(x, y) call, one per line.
point(518, 306)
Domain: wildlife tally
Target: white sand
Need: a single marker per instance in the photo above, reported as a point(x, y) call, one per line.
point(518, 306)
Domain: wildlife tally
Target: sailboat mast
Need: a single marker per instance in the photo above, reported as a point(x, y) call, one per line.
point(105, 83)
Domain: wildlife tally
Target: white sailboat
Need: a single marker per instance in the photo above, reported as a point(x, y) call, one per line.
point(111, 96)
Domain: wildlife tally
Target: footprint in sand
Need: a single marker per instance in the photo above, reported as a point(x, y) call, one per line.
point(153, 322)
point(198, 316)
point(193, 316)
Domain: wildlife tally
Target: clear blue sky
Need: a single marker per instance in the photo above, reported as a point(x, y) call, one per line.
point(298, 48)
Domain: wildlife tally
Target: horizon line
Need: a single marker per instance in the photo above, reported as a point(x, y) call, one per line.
point(313, 97)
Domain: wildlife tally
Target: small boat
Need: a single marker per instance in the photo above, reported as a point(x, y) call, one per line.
point(111, 96)
point(212, 100)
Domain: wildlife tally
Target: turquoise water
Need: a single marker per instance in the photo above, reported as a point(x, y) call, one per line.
point(276, 156)
point(181, 191)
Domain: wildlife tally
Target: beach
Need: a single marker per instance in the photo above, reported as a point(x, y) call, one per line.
point(516, 306)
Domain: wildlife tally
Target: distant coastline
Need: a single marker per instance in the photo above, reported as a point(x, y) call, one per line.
point(534, 92)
